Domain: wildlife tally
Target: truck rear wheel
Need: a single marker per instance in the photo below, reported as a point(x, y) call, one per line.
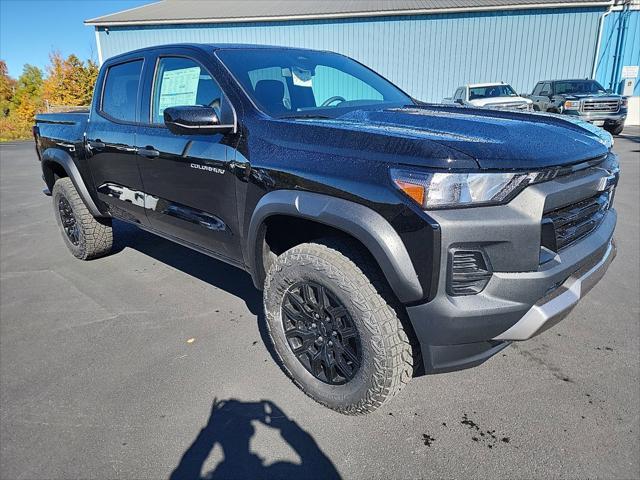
point(336, 336)
point(86, 236)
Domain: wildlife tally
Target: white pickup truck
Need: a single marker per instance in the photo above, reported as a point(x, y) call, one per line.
point(490, 95)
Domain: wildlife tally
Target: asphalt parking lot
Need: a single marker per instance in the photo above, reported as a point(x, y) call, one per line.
point(152, 363)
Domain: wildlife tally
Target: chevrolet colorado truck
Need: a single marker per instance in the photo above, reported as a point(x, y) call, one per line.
point(391, 238)
point(585, 99)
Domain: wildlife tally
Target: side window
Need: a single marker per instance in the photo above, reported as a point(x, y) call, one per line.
point(120, 92)
point(183, 82)
point(546, 89)
point(537, 89)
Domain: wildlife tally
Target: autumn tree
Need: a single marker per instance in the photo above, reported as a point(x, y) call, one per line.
point(70, 81)
point(7, 89)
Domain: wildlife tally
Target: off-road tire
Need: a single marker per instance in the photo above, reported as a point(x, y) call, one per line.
point(352, 276)
point(95, 236)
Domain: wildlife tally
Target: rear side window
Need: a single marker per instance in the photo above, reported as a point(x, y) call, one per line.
point(183, 82)
point(120, 93)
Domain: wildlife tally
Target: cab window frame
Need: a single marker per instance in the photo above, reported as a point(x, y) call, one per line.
point(154, 75)
point(106, 115)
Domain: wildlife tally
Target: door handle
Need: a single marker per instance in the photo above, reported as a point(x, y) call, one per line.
point(239, 166)
point(148, 152)
point(96, 145)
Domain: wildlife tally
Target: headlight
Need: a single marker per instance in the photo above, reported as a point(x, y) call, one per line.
point(572, 105)
point(450, 190)
point(624, 102)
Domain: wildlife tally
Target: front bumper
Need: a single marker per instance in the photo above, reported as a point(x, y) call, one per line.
point(600, 117)
point(553, 307)
point(529, 289)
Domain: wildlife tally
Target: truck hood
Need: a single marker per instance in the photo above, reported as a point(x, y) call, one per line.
point(487, 102)
point(495, 139)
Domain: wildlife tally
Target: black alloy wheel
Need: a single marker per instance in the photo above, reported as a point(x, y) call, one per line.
point(69, 223)
point(321, 333)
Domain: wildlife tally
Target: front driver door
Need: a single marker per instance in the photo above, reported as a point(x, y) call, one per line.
point(189, 181)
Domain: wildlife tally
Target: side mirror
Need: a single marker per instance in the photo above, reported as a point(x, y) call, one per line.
point(459, 100)
point(609, 90)
point(194, 120)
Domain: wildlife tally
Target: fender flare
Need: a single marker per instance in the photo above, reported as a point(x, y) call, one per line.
point(62, 158)
point(359, 221)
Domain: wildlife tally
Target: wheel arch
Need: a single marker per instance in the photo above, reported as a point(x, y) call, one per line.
point(54, 162)
point(355, 220)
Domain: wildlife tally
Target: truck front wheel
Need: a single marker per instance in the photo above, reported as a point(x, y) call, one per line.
point(86, 237)
point(615, 129)
point(336, 336)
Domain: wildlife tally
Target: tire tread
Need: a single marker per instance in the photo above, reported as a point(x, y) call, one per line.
point(97, 233)
point(351, 268)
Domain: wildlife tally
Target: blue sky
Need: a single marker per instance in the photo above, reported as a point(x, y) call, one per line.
point(30, 29)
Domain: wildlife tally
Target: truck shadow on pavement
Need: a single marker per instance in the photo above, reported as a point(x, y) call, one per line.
point(208, 269)
point(231, 426)
point(231, 423)
point(214, 272)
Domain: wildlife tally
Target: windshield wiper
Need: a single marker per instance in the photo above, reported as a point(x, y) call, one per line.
point(305, 115)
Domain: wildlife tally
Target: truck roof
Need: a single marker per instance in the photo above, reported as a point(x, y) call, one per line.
point(212, 47)
point(568, 80)
point(479, 85)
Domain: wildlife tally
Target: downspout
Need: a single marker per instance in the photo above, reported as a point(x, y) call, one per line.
point(596, 62)
point(99, 47)
point(622, 36)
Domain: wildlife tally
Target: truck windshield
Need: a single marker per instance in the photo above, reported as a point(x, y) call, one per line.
point(304, 83)
point(578, 86)
point(489, 91)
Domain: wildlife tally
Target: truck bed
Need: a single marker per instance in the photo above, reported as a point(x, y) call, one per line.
point(60, 130)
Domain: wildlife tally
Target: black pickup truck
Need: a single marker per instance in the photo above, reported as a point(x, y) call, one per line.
point(585, 100)
point(391, 238)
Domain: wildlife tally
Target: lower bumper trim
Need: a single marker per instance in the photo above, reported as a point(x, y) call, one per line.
point(552, 308)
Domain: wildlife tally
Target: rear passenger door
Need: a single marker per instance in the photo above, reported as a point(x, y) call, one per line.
point(190, 180)
point(110, 143)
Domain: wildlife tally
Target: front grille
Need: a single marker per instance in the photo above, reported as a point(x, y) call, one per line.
point(566, 225)
point(600, 105)
point(514, 105)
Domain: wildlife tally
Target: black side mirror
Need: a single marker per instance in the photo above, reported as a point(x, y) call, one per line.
point(194, 120)
point(459, 100)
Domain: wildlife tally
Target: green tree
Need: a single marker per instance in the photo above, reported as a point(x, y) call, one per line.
point(27, 99)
